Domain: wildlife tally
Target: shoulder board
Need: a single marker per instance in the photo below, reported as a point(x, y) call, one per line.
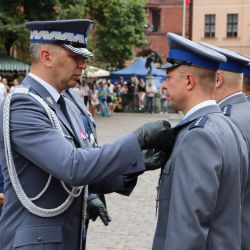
point(226, 110)
point(21, 90)
point(182, 122)
point(199, 123)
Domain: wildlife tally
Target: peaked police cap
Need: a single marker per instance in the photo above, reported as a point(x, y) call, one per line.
point(71, 34)
point(184, 51)
point(235, 62)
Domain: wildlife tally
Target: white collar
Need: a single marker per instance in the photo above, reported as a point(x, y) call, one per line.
point(240, 92)
point(199, 106)
point(53, 92)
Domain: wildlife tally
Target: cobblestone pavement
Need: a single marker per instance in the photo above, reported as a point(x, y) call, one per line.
point(133, 218)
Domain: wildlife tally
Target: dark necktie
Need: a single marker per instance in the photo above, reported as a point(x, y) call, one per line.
point(63, 107)
point(85, 119)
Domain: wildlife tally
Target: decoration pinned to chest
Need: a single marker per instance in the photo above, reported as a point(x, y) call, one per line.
point(84, 135)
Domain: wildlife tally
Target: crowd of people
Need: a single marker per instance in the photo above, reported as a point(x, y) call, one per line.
point(102, 96)
point(7, 86)
point(133, 95)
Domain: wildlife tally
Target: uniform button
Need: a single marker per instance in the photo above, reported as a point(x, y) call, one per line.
point(39, 238)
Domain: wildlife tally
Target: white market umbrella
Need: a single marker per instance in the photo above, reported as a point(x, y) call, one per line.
point(92, 71)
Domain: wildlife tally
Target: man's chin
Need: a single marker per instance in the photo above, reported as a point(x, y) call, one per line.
point(73, 83)
point(173, 106)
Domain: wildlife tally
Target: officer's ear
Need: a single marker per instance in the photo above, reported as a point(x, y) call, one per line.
point(219, 79)
point(46, 56)
point(191, 81)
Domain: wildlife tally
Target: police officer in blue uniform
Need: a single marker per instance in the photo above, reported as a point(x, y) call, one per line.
point(246, 81)
point(234, 104)
point(45, 151)
point(200, 187)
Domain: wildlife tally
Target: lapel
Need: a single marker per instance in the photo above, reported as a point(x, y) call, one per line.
point(45, 95)
point(74, 118)
point(75, 98)
point(239, 98)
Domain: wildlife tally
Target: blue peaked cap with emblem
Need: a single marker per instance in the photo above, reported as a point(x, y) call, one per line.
point(235, 62)
point(184, 51)
point(71, 34)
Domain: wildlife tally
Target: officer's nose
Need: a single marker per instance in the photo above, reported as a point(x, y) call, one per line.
point(165, 84)
point(82, 63)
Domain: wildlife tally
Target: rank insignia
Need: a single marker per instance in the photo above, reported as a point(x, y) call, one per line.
point(49, 99)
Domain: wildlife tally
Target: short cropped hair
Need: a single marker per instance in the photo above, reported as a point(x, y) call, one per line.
point(246, 84)
point(207, 77)
point(34, 51)
point(36, 47)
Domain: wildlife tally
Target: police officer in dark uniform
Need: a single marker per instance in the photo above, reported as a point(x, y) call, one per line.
point(200, 188)
point(234, 104)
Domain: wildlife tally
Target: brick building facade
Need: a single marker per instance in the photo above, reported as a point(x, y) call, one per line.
point(163, 16)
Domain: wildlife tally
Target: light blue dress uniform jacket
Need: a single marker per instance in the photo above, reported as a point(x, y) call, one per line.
point(238, 109)
point(200, 192)
point(39, 149)
point(248, 98)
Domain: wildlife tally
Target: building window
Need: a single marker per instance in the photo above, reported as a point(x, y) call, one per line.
point(209, 25)
point(232, 25)
point(156, 20)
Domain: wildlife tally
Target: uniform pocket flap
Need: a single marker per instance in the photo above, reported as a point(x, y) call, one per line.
point(37, 235)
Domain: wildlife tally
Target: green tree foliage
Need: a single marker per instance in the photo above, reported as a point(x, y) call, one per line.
point(14, 13)
point(71, 9)
point(119, 25)
point(119, 29)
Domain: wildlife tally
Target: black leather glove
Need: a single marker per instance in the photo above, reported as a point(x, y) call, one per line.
point(96, 207)
point(154, 159)
point(158, 135)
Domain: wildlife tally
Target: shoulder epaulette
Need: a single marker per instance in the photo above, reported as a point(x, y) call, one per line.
point(182, 122)
point(199, 123)
point(22, 89)
point(226, 110)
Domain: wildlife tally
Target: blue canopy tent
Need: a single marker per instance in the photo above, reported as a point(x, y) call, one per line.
point(138, 68)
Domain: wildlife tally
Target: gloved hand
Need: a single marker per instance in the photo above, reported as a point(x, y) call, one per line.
point(95, 208)
point(154, 159)
point(158, 135)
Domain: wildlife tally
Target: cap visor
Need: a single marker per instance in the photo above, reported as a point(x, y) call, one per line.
point(80, 51)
